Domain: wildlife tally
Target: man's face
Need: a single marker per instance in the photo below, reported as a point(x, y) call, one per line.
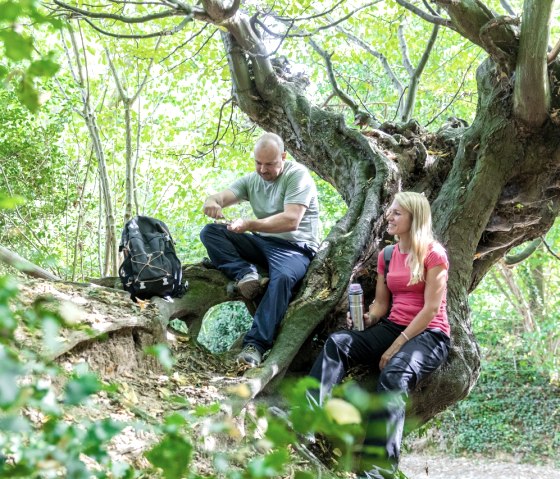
point(269, 161)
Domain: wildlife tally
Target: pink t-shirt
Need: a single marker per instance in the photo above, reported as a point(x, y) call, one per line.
point(408, 300)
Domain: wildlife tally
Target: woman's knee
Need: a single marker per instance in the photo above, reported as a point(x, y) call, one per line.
point(397, 375)
point(339, 341)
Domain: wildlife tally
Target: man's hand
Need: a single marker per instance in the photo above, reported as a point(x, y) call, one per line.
point(212, 208)
point(239, 226)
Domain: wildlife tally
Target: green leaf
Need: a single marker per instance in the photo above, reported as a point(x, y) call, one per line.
point(279, 434)
point(163, 355)
point(28, 95)
point(272, 465)
point(10, 11)
point(9, 374)
point(81, 387)
point(98, 434)
point(16, 46)
point(172, 455)
point(43, 68)
point(303, 475)
point(10, 202)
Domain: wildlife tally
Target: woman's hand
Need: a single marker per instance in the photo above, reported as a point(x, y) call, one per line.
point(350, 323)
point(393, 349)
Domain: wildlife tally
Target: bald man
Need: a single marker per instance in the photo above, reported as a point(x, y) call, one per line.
point(283, 238)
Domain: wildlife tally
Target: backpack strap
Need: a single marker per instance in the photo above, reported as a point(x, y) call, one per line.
point(387, 254)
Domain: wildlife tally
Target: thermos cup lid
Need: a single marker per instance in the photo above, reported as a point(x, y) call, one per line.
point(355, 288)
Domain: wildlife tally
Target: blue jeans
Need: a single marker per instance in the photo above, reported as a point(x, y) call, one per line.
point(417, 358)
point(236, 254)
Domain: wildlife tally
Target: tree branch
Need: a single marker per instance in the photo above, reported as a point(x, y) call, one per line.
point(547, 246)
point(416, 74)
point(184, 10)
point(333, 23)
point(382, 58)
point(531, 100)
point(362, 117)
point(404, 50)
point(465, 74)
point(427, 16)
point(507, 7)
point(218, 12)
point(13, 259)
point(553, 53)
point(246, 37)
point(161, 33)
point(504, 58)
point(511, 260)
point(469, 16)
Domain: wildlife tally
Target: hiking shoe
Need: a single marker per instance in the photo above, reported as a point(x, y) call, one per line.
point(250, 356)
point(250, 285)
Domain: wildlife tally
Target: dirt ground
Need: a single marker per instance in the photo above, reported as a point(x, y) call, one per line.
point(422, 466)
point(200, 380)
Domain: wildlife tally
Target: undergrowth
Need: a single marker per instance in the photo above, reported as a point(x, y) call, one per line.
point(511, 411)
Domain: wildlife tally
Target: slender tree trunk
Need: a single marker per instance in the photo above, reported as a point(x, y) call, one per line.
point(77, 242)
point(88, 114)
point(128, 102)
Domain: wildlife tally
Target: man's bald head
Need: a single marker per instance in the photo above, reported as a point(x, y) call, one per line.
point(269, 156)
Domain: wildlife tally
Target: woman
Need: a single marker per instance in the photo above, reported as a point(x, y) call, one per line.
point(409, 344)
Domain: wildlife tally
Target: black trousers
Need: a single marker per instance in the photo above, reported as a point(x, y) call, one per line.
point(418, 358)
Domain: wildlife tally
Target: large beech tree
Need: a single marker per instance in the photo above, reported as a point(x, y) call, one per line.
point(493, 185)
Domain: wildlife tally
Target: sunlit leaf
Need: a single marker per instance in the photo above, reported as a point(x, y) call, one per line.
point(172, 455)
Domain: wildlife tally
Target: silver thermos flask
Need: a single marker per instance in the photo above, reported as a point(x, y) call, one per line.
point(356, 304)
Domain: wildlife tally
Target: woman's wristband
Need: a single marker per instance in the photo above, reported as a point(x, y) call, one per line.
point(405, 336)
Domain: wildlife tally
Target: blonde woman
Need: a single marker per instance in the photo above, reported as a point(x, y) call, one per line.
point(407, 334)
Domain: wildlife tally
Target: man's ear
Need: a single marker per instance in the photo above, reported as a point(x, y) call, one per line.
point(284, 156)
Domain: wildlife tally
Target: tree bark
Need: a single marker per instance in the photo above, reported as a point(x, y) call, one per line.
point(532, 89)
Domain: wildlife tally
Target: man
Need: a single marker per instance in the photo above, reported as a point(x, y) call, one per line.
point(283, 238)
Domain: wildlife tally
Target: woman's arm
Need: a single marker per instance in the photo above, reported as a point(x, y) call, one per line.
point(436, 280)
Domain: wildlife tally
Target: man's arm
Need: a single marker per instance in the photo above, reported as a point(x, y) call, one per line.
point(288, 220)
point(215, 203)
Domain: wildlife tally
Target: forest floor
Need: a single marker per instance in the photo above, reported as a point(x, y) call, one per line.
point(428, 466)
point(199, 380)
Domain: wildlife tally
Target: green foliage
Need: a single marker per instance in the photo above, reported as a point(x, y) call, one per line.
point(35, 438)
point(39, 438)
point(223, 324)
point(173, 455)
point(19, 67)
point(35, 174)
point(509, 411)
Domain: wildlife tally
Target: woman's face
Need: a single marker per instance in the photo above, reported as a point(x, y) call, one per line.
point(398, 220)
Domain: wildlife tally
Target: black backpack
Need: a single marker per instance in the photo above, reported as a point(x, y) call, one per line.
point(150, 266)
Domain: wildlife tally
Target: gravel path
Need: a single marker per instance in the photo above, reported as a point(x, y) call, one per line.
point(419, 466)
